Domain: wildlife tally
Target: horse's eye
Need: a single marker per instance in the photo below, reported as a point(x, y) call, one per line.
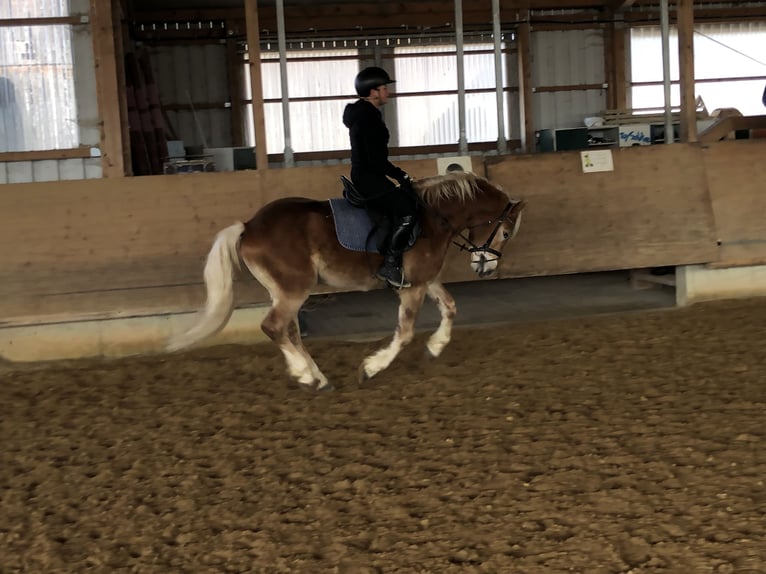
point(506, 235)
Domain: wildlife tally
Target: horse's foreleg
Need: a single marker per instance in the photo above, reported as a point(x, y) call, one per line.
point(447, 309)
point(410, 301)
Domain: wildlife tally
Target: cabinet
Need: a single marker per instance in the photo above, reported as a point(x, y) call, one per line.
point(577, 138)
point(658, 133)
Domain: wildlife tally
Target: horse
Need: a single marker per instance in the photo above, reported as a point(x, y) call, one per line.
point(290, 245)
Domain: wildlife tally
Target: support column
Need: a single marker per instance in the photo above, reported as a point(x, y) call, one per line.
point(256, 85)
point(107, 88)
point(524, 34)
point(685, 23)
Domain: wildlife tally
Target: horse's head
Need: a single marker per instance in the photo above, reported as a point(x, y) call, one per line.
point(468, 202)
point(488, 239)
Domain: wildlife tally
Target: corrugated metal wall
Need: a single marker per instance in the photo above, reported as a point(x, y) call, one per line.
point(565, 58)
point(196, 75)
point(73, 91)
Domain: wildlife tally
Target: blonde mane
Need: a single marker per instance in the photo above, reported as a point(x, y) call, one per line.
point(458, 185)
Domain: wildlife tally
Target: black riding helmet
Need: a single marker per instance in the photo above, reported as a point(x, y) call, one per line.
point(369, 79)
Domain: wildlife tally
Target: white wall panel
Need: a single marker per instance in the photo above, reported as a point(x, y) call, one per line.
point(93, 168)
point(45, 170)
point(71, 169)
point(20, 171)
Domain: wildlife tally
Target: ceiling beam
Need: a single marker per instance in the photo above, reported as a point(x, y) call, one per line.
point(619, 5)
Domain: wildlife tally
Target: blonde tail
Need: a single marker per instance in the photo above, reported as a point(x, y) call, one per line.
point(219, 270)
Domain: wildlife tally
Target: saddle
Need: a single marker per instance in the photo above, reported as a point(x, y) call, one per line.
point(359, 229)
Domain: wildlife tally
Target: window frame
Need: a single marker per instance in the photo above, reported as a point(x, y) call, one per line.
point(61, 153)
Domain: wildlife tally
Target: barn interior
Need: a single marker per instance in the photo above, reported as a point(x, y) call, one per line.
point(180, 132)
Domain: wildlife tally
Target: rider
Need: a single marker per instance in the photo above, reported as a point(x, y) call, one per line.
point(370, 169)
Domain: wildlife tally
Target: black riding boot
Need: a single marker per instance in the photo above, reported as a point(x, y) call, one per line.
point(391, 269)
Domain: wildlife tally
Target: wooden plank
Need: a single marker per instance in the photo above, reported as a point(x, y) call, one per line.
point(726, 125)
point(685, 26)
point(78, 152)
point(735, 174)
point(256, 84)
point(568, 88)
point(609, 65)
point(122, 44)
point(46, 21)
point(105, 56)
point(138, 244)
point(635, 217)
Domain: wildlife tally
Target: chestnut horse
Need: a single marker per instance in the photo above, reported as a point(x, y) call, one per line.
point(290, 245)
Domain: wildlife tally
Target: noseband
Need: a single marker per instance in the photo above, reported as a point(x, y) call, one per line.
point(486, 247)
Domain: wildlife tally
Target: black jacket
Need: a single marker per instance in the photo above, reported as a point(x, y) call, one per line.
point(369, 147)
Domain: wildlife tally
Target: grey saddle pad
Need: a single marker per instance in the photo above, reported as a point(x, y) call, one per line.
point(353, 226)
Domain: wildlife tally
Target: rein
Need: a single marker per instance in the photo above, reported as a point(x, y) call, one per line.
point(467, 244)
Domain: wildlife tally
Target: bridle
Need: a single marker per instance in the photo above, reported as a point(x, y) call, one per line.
point(471, 247)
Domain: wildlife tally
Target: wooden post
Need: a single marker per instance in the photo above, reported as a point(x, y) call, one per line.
point(122, 45)
point(525, 85)
point(234, 72)
point(685, 23)
point(107, 88)
point(256, 85)
point(614, 64)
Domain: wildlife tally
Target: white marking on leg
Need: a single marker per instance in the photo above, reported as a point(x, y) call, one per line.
point(297, 365)
point(447, 308)
point(410, 301)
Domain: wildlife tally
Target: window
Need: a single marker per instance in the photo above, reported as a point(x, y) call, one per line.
point(322, 82)
point(425, 119)
point(729, 68)
point(37, 98)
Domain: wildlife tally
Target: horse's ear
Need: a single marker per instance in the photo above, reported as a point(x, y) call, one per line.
point(518, 206)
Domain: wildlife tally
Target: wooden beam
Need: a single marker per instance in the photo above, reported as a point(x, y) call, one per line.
point(685, 24)
point(234, 74)
point(122, 45)
point(73, 153)
point(527, 124)
point(619, 86)
point(568, 88)
point(725, 126)
point(107, 88)
point(52, 21)
point(734, 15)
point(619, 5)
point(609, 65)
point(256, 85)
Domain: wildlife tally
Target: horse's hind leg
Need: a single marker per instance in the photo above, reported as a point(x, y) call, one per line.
point(410, 301)
point(281, 326)
point(294, 333)
point(447, 310)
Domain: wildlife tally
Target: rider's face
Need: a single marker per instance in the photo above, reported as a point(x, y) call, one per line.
point(380, 95)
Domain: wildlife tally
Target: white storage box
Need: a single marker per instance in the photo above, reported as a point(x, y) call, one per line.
point(635, 134)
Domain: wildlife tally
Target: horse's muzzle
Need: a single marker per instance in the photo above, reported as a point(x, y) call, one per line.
point(483, 266)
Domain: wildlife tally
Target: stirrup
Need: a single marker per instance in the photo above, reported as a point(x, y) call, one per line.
point(403, 284)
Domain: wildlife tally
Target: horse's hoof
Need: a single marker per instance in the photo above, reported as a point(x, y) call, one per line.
point(325, 389)
point(363, 376)
point(429, 354)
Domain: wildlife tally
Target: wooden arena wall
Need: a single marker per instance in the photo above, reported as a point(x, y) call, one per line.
point(133, 246)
